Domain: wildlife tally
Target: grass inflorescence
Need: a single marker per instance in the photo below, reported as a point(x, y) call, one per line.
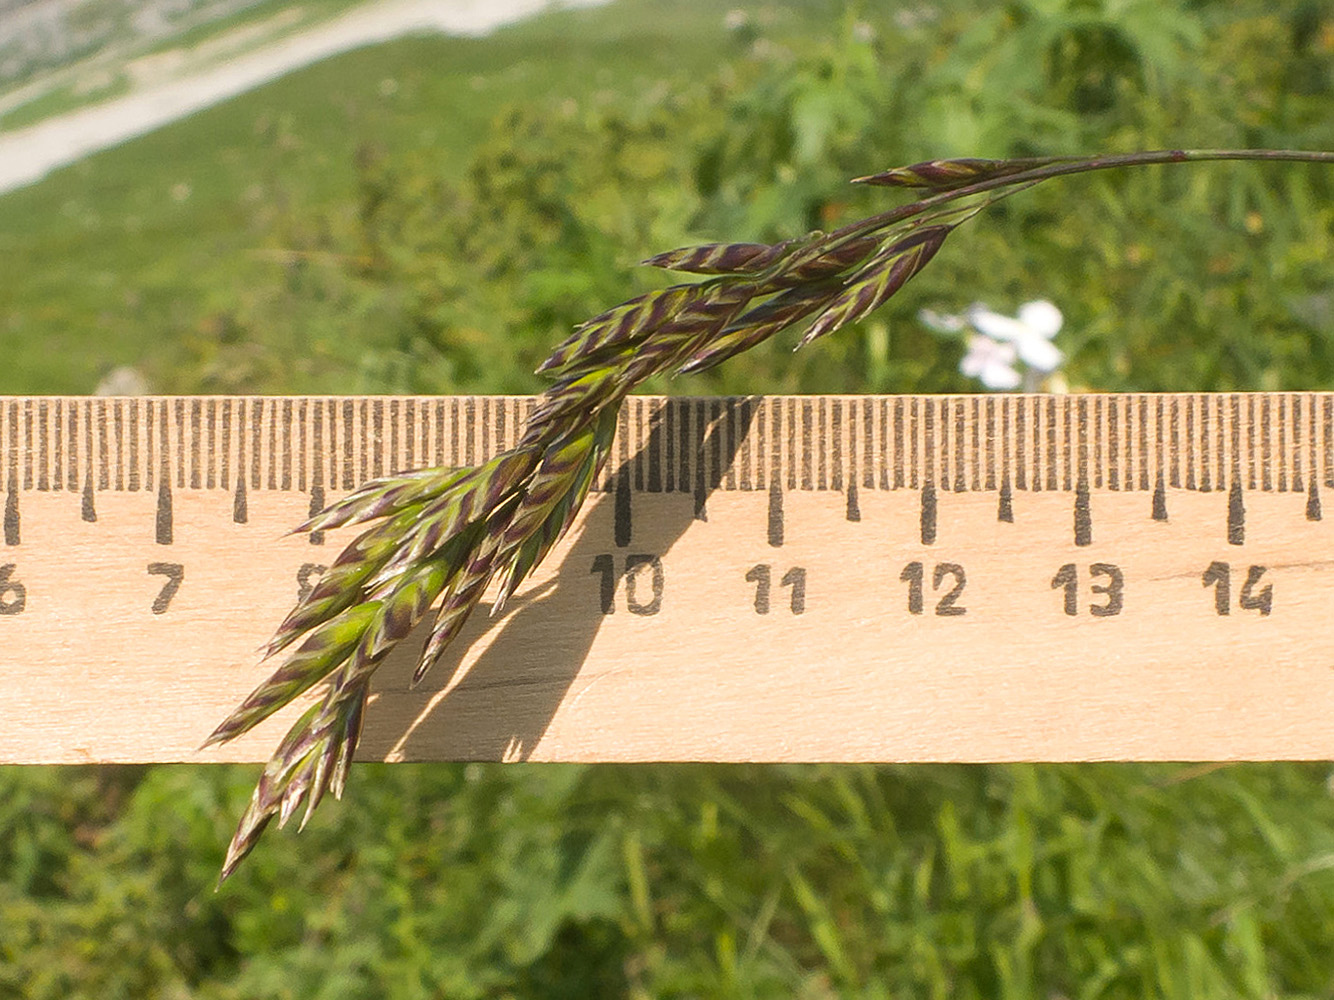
point(443, 535)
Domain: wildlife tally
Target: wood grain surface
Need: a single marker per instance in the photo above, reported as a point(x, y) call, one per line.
point(771, 578)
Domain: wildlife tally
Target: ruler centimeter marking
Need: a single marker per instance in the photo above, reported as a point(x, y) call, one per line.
point(968, 577)
point(1271, 442)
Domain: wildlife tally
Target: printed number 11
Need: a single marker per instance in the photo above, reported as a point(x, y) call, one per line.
point(795, 578)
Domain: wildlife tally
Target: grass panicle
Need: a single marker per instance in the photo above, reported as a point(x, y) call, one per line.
point(444, 535)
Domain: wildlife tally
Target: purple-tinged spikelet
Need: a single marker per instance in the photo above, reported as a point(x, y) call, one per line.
point(720, 258)
point(761, 322)
point(950, 175)
point(883, 276)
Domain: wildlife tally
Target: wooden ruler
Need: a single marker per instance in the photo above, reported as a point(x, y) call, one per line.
point(772, 578)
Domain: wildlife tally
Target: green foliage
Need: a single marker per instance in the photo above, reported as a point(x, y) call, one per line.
point(536, 238)
point(334, 234)
point(466, 277)
point(490, 881)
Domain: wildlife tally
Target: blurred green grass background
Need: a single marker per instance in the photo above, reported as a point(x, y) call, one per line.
point(433, 215)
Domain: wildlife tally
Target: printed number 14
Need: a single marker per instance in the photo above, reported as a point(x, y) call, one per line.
point(1219, 576)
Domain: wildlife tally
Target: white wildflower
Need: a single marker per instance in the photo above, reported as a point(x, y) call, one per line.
point(1031, 331)
point(997, 341)
point(941, 322)
point(122, 381)
point(991, 362)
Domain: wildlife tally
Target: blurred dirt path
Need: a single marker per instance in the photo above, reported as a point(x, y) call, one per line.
point(29, 154)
